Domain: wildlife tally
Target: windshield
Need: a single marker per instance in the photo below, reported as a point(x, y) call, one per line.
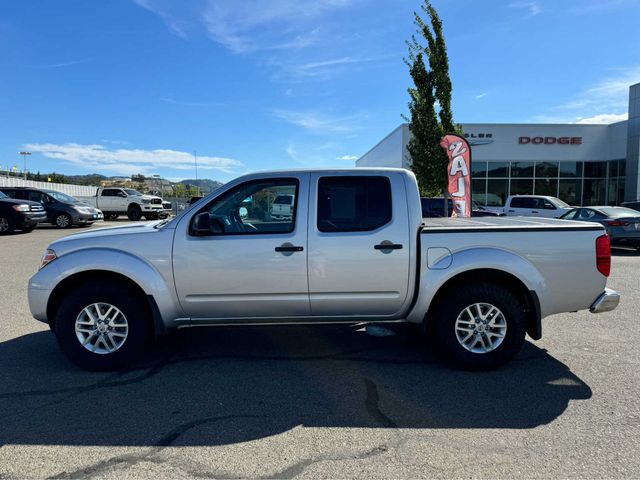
point(616, 212)
point(560, 203)
point(131, 191)
point(2, 195)
point(61, 197)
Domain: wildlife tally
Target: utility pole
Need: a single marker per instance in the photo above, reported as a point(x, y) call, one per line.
point(24, 158)
point(195, 159)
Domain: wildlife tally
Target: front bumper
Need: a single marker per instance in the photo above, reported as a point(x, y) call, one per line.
point(84, 218)
point(31, 219)
point(607, 301)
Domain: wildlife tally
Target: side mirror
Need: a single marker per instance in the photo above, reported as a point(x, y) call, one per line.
point(122, 194)
point(203, 225)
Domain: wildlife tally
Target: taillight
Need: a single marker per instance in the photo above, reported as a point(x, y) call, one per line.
point(603, 255)
point(617, 223)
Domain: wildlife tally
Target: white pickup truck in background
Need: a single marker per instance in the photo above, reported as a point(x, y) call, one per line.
point(126, 201)
point(532, 206)
point(355, 249)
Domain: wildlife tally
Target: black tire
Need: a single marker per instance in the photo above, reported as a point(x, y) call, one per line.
point(29, 229)
point(111, 216)
point(151, 216)
point(449, 307)
point(132, 306)
point(6, 226)
point(134, 213)
point(63, 220)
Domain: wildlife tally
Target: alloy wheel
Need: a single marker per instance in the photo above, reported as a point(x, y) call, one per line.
point(481, 327)
point(101, 328)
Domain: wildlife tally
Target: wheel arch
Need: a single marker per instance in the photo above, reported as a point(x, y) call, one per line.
point(134, 205)
point(103, 276)
point(511, 282)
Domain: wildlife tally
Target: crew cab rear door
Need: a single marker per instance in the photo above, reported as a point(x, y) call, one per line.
point(358, 244)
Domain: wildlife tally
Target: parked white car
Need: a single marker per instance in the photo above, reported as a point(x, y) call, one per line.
point(532, 206)
point(282, 207)
point(126, 201)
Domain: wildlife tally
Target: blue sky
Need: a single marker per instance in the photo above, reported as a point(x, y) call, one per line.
point(135, 86)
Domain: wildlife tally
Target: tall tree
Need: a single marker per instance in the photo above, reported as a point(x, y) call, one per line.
point(430, 104)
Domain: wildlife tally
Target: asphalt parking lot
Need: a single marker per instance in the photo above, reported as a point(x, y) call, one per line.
point(335, 402)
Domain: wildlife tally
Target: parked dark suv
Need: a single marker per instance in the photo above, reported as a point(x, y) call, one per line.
point(62, 210)
point(19, 214)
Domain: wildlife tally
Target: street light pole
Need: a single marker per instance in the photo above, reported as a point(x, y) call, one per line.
point(24, 158)
point(195, 159)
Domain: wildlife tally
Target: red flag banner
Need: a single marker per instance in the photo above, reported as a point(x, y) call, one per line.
point(459, 173)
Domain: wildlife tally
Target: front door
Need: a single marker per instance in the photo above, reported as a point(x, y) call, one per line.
point(252, 265)
point(358, 245)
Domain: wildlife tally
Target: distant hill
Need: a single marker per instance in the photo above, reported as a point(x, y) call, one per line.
point(205, 185)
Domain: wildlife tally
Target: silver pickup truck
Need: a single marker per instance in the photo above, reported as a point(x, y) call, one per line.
point(355, 250)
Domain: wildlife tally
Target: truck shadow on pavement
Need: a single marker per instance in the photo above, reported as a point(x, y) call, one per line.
point(228, 385)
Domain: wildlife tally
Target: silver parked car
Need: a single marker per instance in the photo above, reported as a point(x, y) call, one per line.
point(353, 249)
point(622, 224)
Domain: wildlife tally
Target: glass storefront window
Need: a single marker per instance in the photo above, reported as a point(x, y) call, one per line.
point(595, 169)
point(593, 192)
point(612, 194)
point(622, 168)
point(498, 169)
point(570, 169)
point(621, 181)
point(479, 190)
point(546, 169)
point(547, 186)
point(569, 191)
point(478, 169)
point(613, 168)
point(521, 187)
point(497, 191)
point(522, 169)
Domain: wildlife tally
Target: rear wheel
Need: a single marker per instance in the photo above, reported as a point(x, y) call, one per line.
point(102, 328)
point(111, 216)
point(134, 213)
point(480, 326)
point(29, 229)
point(151, 216)
point(62, 220)
point(5, 226)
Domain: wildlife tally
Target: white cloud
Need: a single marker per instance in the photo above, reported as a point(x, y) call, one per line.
point(176, 24)
point(349, 158)
point(604, 118)
point(321, 123)
point(190, 103)
point(482, 95)
point(533, 8)
point(128, 161)
point(62, 64)
point(252, 25)
point(600, 101)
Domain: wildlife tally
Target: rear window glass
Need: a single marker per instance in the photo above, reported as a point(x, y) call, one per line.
point(522, 202)
point(353, 204)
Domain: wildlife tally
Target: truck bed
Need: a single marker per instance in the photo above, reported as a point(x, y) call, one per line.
point(499, 224)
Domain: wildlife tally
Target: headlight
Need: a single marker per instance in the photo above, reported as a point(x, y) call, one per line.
point(144, 200)
point(21, 208)
point(47, 257)
point(85, 210)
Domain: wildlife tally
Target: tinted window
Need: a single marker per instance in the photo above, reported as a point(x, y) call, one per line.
point(2, 195)
point(353, 204)
point(248, 208)
point(109, 192)
point(570, 216)
point(522, 202)
point(284, 199)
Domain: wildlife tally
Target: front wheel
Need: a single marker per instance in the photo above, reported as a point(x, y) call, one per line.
point(480, 326)
point(102, 328)
point(6, 226)
point(62, 220)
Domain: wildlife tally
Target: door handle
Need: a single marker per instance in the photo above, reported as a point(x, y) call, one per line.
point(511, 210)
point(534, 211)
point(388, 246)
point(289, 248)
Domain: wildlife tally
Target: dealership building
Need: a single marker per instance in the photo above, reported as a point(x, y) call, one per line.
point(581, 164)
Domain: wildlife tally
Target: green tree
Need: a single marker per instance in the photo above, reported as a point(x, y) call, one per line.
point(430, 103)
